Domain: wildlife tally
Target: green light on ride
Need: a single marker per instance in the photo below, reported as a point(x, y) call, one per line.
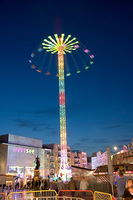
point(78, 71)
point(91, 62)
point(68, 74)
point(86, 67)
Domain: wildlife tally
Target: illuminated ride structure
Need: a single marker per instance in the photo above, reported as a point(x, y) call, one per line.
point(61, 46)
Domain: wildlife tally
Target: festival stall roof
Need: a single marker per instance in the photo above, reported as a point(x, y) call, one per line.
point(80, 171)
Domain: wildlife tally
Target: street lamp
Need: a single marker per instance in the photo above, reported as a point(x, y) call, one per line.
point(115, 148)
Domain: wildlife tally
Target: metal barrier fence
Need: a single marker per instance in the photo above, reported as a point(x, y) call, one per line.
point(52, 195)
point(51, 198)
point(102, 196)
point(3, 196)
point(33, 195)
point(85, 194)
point(113, 198)
point(101, 187)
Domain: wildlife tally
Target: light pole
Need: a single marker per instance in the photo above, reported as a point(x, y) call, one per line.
point(115, 148)
point(110, 169)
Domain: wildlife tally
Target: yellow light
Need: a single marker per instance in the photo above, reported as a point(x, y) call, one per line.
point(70, 41)
point(62, 38)
point(67, 38)
point(52, 40)
point(48, 41)
point(68, 51)
point(46, 44)
point(56, 37)
point(53, 45)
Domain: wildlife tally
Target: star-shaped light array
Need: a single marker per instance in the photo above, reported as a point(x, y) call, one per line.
point(53, 45)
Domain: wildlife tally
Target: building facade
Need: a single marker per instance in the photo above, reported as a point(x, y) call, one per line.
point(79, 159)
point(100, 159)
point(55, 158)
point(125, 156)
point(75, 158)
point(18, 154)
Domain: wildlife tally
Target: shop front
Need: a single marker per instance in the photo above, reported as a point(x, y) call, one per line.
point(17, 157)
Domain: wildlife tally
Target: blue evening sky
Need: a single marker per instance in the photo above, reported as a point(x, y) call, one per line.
point(99, 102)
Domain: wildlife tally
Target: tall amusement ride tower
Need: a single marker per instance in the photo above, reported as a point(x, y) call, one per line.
point(61, 46)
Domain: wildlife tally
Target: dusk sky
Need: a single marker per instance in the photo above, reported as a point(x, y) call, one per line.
point(99, 101)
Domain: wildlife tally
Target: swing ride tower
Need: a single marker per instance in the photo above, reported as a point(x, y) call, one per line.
point(61, 46)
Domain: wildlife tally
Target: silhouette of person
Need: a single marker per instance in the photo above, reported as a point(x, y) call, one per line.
point(37, 163)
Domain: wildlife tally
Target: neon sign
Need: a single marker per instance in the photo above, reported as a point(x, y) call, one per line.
point(23, 150)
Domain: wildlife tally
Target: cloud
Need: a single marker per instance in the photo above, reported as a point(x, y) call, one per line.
point(99, 141)
point(47, 111)
point(50, 111)
point(37, 129)
point(84, 139)
point(24, 123)
point(113, 126)
point(93, 141)
point(54, 132)
point(35, 126)
point(123, 141)
point(90, 145)
point(27, 123)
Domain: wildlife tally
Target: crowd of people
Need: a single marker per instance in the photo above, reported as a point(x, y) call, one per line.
point(46, 184)
point(124, 186)
point(60, 185)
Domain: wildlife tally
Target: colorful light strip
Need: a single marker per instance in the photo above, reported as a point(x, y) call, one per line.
point(128, 172)
point(63, 141)
point(61, 46)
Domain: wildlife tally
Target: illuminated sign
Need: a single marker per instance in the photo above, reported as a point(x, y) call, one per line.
point(23, 150)
point(100, 160)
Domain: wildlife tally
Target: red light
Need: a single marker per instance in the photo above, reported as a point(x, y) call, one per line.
point(48, 73)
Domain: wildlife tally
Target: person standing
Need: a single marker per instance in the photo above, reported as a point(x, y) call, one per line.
point(60, 184)
point(84, 184)
point(71, 184)
point(121, 183)
point(128, 193)
point(54, 185)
